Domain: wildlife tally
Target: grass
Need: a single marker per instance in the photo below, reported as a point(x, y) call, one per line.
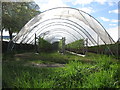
point(92, 71)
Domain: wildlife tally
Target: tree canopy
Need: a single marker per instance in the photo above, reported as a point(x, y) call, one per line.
point(15, 15)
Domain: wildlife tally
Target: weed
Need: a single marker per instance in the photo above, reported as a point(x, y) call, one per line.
point(103, 73)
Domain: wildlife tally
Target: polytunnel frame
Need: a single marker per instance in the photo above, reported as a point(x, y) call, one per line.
point(86, 20)
point(45, 28)
point(56, 29)
point(110, 39)
point(89, 36)
point(67, 26)
point(57, 32)
point(61, 29)
point(56, 35)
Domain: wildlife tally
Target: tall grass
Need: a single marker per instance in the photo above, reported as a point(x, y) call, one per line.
point(103, 73)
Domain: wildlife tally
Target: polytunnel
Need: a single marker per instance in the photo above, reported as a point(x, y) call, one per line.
point(73, 24)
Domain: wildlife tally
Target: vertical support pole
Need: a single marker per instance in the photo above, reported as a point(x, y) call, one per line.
point(98, 43)
point(86, 46)
point(10, 44)
point(79, 46)
point(83, 46)
point(118, 48)
point(63, 45)
point(39, 44)
point(36, 44)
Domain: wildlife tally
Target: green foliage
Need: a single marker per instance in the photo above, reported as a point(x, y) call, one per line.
point(16, 15)
point(103, 73)
point(102, 79)
point(78, 75)
point(106, 49)
point(60, 44)
point(44, 45)
point(77, 44)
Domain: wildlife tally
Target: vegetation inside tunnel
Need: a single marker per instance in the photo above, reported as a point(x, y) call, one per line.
point(30, 70)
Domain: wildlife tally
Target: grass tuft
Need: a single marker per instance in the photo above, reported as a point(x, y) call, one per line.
point(78, 72)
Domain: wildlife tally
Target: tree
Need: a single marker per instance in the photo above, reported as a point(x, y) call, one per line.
point(15, 15)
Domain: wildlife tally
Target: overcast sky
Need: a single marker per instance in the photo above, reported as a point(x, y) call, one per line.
point(105, 11)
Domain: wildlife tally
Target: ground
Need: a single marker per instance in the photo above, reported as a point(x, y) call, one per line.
point(56, 70)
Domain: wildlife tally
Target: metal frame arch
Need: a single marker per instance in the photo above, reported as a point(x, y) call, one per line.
point(74, 26)
point(85, 13)
point(68, 20)
point(81, 35)
point(82, 32)
point(55, 35)
point(72, 38)
point(47, 30)
point(88, 23)
point(48, 24)
point(76, 30)
point(95, 30)
point(57, 31)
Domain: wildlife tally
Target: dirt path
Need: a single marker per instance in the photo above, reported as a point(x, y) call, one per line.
point(33, 64)
point(45, 65)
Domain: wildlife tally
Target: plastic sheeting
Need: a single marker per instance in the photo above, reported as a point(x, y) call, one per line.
point(71, 23)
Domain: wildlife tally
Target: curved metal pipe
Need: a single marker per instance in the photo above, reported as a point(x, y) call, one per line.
point(72, 28)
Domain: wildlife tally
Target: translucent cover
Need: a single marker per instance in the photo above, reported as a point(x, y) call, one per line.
point(71, 23)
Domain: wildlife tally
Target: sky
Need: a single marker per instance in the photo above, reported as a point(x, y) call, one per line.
point(106, 12)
